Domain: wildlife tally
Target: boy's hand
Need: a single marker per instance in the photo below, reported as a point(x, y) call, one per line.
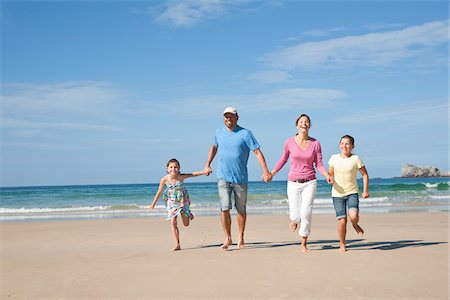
point(365, 195)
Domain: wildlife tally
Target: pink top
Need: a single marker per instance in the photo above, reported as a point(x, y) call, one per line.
point(301, 160)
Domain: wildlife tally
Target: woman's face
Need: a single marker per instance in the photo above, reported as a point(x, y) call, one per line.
point(303, 124)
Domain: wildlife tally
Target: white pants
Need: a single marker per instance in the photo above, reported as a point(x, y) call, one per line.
point(301, 198)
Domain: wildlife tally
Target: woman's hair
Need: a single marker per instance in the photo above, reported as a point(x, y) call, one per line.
point(302, 115)
point(173, 160)
point(352, 140)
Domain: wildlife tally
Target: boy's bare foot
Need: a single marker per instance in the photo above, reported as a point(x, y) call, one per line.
point(293, 226)
point(305, 248)
point(176, 248)
point(359, 230)
point(342, 248)
point(226, 243)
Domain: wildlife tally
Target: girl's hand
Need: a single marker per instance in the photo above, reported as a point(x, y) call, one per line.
point(152, 206)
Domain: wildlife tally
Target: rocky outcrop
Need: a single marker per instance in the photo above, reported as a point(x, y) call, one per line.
point(414, 171)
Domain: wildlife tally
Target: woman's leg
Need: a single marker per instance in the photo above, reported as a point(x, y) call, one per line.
point(307, 199)
point(294, 198)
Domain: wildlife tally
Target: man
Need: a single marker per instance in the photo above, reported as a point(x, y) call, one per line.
point(235, 144)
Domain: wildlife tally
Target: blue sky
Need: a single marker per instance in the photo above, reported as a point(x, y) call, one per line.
point(109, 91)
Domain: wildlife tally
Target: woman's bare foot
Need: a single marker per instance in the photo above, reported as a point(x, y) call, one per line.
point(241, 244)
point(293, 226)
point(226, 243)
point(177, 248)
point(305, 248)
point(359, 230)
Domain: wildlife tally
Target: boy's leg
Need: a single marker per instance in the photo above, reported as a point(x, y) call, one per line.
point(353, 213)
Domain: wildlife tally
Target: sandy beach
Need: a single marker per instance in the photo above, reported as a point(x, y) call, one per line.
point(401, 256)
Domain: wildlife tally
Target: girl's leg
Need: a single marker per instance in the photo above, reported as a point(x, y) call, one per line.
point(294, 197)
point(185, 219)
point(342, 231)
point(175, 233)
point(354, 218)
point(307, 199)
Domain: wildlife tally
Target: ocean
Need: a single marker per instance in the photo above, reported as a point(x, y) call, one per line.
point(133, 200)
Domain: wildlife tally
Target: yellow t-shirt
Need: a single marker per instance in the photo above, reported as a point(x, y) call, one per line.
point(345, 170)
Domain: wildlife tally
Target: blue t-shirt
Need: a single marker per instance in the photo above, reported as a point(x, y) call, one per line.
point(234, 148)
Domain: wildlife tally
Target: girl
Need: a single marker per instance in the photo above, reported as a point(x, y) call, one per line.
point(175, 194)
point(343, 167)
point(304, 152)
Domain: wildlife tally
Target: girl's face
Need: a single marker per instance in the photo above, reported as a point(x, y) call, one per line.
point(173, 168)
point(303, 124)
point(346, 146)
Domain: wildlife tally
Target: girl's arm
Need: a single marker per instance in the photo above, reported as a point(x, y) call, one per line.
point(193, 174)
point(159, 192)
point(365, 176)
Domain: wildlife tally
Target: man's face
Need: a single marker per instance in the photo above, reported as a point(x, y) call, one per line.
point(230, 120)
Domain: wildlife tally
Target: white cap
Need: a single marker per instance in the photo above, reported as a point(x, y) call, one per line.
point(230, 110)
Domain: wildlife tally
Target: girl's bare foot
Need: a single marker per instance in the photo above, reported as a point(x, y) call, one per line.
point(305, 248)
point(191, 216)
point(226, 243)
point(359, 230)
point(293, 226)
point(176, 248)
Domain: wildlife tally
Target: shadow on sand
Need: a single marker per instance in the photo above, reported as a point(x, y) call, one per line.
point(358, 244)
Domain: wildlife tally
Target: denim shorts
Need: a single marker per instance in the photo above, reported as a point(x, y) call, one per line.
point(342, 204)
point(226, 190)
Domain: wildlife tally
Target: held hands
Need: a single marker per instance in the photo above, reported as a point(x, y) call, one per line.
point(329, 178)
point(207, 171)
point(267, 177)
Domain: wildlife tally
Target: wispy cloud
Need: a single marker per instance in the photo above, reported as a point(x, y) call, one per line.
point(419, 112)
point(272, 76)
point(189, 12)
point(65, 105)
point(278, 100)
point(373, 49)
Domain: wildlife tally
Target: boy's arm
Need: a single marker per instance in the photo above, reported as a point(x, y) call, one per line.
point(365, 176)
point(159, 192)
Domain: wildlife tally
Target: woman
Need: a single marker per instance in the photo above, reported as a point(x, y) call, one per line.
point(304, 152)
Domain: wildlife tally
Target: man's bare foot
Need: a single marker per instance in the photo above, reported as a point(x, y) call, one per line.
point(305, 248)
point(176, 248)
point(293, 226)
point(342, 248)
point(226, 243)
point(359, 230)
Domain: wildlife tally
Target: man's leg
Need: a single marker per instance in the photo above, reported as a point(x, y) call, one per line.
point(240, 198)
point(226, 225)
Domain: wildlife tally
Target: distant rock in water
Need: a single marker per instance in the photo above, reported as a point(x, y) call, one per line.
point(414, 171)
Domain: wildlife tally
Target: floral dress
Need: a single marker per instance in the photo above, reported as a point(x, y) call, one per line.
point(177, 198)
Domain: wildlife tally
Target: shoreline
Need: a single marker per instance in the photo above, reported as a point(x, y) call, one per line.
point(402, 255)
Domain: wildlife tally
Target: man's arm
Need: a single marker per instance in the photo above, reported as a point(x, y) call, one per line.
point(266, 176)
point(212, 153)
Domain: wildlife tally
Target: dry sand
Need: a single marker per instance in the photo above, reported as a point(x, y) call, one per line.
point(402, 256)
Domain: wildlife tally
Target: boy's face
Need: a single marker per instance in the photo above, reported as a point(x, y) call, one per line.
point(346, 146)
